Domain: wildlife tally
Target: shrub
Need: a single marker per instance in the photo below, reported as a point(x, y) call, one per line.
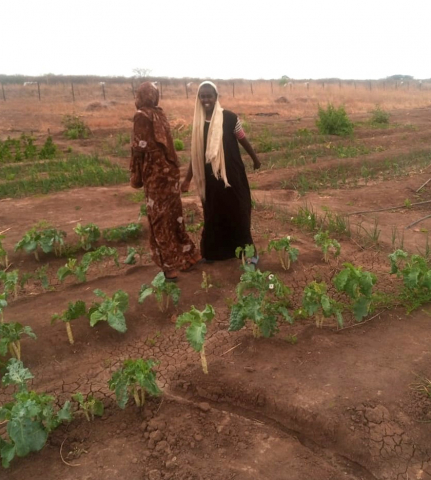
point(75, 127)
point(179, 145)
point(379, 116)
point(334, 121)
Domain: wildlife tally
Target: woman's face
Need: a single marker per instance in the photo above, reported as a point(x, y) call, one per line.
point(208, 98)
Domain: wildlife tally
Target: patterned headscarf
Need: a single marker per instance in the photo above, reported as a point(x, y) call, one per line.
point(214, 154)
point(147, 99)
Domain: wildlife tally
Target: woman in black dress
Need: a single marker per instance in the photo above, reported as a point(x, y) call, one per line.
point(220, 177)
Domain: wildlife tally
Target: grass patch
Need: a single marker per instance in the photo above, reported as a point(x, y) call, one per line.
point(59, 174)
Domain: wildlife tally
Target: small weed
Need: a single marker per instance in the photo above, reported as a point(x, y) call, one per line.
point(379, 116)
point(292, 339)
point(334, 121)
point(179, 145)
point(75, 127)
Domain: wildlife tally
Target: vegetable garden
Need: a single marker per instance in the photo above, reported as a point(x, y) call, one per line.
point(316, 360)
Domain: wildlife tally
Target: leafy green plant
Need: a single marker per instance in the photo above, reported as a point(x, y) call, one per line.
point(80, 270)
point(317, 303)
point(75, 127)
point(30, 416)
point(379, 116)
point(162, 290)
point(136, 377)
point(286, 252)
point(111, 310)
point(334, 121)
point(416, 276)
point(246, 255)
point(131, 254)
point(10, 338)
point(10, 282)
point(179, 145)
point(49, 149)
point(74, 310)
point(196, 330)
point(327, 244)
point(88, 235)
point(48, 240)
point(130, 231)
point(265, 306)
point(89, 406)
point(358, 285)
point(4, 260)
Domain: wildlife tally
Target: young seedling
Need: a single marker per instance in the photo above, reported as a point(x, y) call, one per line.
point(90, 406)
point(110, 310)
point(265, 306)
point(48, 240)
point(327, 244)
point(4, 260)
point(246, 255)
point(162, 290)
point(316, 301)
point(130, 231)
point(206, 281)
point(197, 328)
point(10, 282)
point(358, 285)
point(3, 305)
point(136, 377)
point(286, 252)
point(10, 338)
point(74, 311)
point(30, 416)
point(88, 235)
point(131, 254)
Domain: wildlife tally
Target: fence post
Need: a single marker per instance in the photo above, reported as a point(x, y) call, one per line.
point(161, 89)
point(133, 90)
point(233, 89)
point(272, 89)
point(370, 86)
point(187, 91)
point(38, 90)
point(73, 92)
point(4, 96)
point(251, 88)
point(103, 91)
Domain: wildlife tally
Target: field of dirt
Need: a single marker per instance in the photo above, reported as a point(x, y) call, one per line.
point(324, 403)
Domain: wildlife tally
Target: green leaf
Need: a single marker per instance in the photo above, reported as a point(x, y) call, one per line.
point(98, 408)
point(361, 308)
point(16, 373)
point(122, 300)
point(27, 435)
point(65, 414)
point(237, 319)
point(117, 321)
point(97, 316)
point(7, 453)
point(145, 292)
point(196, 335)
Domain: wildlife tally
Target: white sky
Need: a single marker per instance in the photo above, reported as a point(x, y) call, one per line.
point(220, 39)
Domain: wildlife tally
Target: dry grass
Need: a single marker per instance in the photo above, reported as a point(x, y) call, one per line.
point(23, 111)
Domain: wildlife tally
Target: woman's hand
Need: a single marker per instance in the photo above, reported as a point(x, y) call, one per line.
point(185, 186)
point(256, 164)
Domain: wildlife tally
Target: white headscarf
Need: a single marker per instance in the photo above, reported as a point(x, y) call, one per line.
point(214, 152)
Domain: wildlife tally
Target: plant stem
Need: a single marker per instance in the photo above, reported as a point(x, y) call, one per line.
point(14, 350)
point(288, 261)
point(136, 397)
point(256, 332)
point(204, 360)
point(281, 257)
point(142, 396)
point(87, 416)
point(69, 333)
point(36, 255)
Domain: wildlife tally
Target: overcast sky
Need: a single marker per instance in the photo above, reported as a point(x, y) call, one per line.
point(221, 39)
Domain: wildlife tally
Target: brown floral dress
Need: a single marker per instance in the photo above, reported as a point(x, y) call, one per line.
point(154, 165)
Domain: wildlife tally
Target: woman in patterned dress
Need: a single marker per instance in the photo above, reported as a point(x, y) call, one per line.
point(154, 165)
point(219, 174)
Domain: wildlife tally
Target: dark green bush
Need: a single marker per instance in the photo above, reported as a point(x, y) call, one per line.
point(334, 121)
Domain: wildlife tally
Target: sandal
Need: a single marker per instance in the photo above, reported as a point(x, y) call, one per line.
point(171, 276)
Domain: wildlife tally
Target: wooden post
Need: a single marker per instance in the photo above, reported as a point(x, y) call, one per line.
point(233, 89)
point(38, 90)
point(339, 84)
point(251, 87)
point(187, 91)
point(308, 85)
point(103, 91)
point(354, 83)
point(272, 89)
point(370, 86)
point(323, 84)
point(133, 90)
point(161, 89)
point(4, 96)
point(73, 92)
